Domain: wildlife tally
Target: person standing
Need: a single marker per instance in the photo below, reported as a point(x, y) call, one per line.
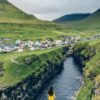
point(51, 94)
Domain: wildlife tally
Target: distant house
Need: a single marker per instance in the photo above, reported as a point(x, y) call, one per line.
point(21, 47)
point(66, 42)
point(0, 49)
point(58, 42)
point(37, 44)
point(32, 48)
point(30, 44)
point(20, 50)
point(18, 42)
point(7, 49)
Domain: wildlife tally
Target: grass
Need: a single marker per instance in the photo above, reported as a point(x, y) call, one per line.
point(9, 11)
point(85, 92)
point(90, 54)
point(14, 73)
point(15, 24)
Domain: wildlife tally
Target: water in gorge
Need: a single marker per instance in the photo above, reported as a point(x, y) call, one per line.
point(66, 83)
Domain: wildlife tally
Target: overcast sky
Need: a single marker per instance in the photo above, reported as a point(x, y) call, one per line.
point(52, 9)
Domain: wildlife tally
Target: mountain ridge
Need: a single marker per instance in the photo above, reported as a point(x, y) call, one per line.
point(72, 17)
point(8, 10)
point(92, 21)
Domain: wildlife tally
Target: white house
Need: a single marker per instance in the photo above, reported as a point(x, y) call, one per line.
point(20, 50)
point(7, 49)
point(18, 42)
point(0, 49)
point(38, 44)
point(58, 42)
point(30, 44)
point(32, 48)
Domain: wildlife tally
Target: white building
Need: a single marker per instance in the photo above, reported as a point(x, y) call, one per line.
point(0, 49)
point(20, 50)
point(18, 42)
point(32, 48)
point(38, 44)
point(58, 42)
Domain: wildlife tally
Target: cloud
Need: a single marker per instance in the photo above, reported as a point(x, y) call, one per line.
point(51, 9)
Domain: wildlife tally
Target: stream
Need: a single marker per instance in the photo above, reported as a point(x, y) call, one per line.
point(66, 83)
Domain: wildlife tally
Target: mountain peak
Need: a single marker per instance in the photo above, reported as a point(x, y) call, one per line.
point(12, 11)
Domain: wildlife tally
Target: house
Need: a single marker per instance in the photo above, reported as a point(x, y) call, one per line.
point(20, 50)
point(18, 42)
point(29, 44)
point(77, 38)
point(7, 49)
point(38, 44)
point(21, 47)
point(32, 48)
point(58, 42)
point(0, 49)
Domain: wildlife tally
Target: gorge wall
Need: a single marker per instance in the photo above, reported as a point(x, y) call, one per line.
point(28, 89)
point(87, 55)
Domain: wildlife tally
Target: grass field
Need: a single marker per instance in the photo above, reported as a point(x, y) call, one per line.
point(90, 53)
point(15, 72)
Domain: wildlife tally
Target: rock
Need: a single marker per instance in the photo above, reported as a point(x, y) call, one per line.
point(28, 61)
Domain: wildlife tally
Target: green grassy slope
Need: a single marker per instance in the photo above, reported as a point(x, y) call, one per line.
point(72, 18)
point(16, 24)
point(7, 10)
point(15, 72)
point(92, 22)
point(87, 27)
point(90, 57)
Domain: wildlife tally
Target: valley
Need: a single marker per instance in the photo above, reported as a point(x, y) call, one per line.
point(32, 50)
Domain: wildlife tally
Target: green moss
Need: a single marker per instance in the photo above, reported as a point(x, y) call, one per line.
point(85, 92)
point(90, 54)
point(15, 72)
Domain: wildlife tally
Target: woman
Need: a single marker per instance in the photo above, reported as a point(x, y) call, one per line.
point(51, 95)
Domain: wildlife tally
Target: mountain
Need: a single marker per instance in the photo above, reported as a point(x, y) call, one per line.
point(7, 10)
point(91, 22)
point(94, 18)
point(81, 21)
point(16, 24)
point(72, 17)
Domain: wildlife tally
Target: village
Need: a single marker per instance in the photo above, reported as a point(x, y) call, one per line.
point(21, 46)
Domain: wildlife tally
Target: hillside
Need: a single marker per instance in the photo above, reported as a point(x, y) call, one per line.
point(7, 10)
point(93, 21)
point(87, 54)
point(93, 17)
point(86, 22)
point(71, 18)
point(17, 25)
point(20, 25)
point(19, 71)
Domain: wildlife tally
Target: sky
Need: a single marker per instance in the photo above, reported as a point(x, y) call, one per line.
point(52, 9)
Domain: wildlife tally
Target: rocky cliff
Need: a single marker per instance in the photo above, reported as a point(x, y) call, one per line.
point(28, 88)
point(87, 54)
